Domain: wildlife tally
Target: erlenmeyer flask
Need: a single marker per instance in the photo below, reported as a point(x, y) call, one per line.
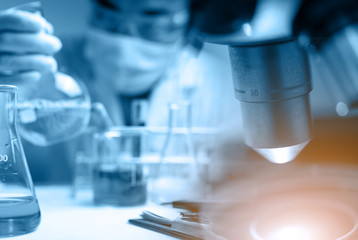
point(19, 209)
point(178, 174)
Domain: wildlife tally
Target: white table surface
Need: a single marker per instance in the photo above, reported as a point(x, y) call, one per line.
point(65, 218)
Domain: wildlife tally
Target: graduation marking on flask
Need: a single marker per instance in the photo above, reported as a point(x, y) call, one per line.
point(3, 158)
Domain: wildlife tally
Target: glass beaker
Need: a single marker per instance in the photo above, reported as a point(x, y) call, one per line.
point(119, 177)
point(83, 165)
point(85, 159)
point(19, 209)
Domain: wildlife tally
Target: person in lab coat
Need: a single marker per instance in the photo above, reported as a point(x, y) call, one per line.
point(131, 50)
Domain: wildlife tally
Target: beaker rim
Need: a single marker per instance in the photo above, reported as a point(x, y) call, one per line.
point(8, 88)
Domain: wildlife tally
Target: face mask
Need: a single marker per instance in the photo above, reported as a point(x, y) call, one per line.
point(131, 65)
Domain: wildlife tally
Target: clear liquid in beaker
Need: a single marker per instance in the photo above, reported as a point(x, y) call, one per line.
point(18, 215)
point(44, 122)
point(119, 185)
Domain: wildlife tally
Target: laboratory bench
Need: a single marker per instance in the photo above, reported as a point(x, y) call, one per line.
point(329, 160)
point(64, 217)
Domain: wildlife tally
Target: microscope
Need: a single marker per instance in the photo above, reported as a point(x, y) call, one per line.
point(269, 42)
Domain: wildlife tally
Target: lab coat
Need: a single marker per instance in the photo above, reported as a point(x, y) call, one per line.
point(213, 104)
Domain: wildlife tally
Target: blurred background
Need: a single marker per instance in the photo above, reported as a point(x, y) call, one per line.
point(68, 17)
point(335, 138)
point(232, 166)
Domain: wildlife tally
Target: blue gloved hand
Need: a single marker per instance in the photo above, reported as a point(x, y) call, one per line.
point(27, 46)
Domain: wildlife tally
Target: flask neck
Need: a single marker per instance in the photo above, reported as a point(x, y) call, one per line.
point(8, 101)
point(180, 115)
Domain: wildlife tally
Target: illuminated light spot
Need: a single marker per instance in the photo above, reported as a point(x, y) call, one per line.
point(283, 154)
point(290, 233)
point(342, 109)
point(246, 28)
point(305, 219)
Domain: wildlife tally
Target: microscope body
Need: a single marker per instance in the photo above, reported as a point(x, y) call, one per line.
point(274, 97)
point(270, 64)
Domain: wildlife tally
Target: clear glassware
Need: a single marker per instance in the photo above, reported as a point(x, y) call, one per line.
point(57, 111)
point(85, 152)
point(178, 174)
point(19, 209)
point(119, 176)
point(54, 109)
